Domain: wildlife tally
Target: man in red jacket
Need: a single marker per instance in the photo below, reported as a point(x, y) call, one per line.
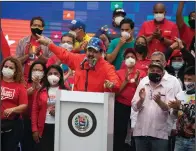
point(92, 72)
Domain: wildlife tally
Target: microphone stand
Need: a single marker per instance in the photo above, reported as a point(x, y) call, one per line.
point(86, 82)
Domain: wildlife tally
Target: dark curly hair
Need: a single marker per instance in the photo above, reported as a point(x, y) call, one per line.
point(18, 74)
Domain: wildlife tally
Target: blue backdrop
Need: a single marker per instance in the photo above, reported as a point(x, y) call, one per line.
point(95, 14)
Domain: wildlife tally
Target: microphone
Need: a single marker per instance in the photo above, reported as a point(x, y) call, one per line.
point(82, 63)
point(94, 62)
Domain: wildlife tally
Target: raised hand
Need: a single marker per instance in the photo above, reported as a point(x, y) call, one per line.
point(142, 94)
point(42, 40)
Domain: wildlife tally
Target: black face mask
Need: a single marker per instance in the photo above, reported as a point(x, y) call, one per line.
point(140, 48)
point(192, 23)
point(36, 31)
point(154, 77)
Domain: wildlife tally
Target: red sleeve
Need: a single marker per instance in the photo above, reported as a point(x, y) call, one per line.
point(66, 57)
point(52, 60)
point(174, 32)
point(23, 97)
point(142, 30)
point(112, 77)
point(183, 30)
point(35, 112)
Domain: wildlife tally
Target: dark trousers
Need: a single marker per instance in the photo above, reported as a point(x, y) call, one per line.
point(171, 143)
point(10, 140)
point(121, 119)
point(47, 140)
point(147, 143)
point(27, 142)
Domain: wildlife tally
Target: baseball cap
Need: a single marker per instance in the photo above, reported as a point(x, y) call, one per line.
point(77, 24)
point(96, 44)
point(156, 64)
point(119, 11)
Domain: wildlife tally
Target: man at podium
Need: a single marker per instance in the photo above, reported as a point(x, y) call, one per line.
point(92, 72)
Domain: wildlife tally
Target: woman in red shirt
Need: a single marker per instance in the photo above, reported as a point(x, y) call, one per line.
point(13, 103)
point(129, 77)
point(43, 109)
point(35, 79)
point(141, 51)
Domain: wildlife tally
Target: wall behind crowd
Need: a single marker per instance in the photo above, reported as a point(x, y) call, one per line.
point(16, 16)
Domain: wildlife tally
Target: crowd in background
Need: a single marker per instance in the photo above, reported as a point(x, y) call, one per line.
point(152, 76)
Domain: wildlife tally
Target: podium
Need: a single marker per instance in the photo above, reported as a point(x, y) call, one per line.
point(84, 121)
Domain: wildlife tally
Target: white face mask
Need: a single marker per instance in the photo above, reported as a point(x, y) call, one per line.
point(118, 19)
point(53, 80)
point(125, 34)
point(189, 85)
point(7, 72)
point(159, 17)
point(130, 62)
point(67, 46)
point(38, 74)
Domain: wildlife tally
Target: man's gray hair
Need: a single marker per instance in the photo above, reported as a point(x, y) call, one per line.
point(158, 53)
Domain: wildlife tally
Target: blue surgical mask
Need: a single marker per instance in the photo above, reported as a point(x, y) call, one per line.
point(177, 65)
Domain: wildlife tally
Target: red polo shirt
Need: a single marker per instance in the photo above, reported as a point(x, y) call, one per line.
point(186, 34)
point(128, 92)
point(168, 29)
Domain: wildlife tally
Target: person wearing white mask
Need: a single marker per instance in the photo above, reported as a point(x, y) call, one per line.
point(130, 78)
point(118, 45)
point(67, 42)
point(179, 58)
point(184, 110)
point(43, 109)
point(35, 79)
point(14, 102)
point(160, 32)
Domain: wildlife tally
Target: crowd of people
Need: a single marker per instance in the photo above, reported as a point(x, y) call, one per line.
point(152, 76)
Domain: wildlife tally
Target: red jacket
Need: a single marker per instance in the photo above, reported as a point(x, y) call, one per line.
point(96, 78)
point(39, 109)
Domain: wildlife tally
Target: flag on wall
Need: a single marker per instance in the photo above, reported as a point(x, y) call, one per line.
point(5, 49)
point(14, 30)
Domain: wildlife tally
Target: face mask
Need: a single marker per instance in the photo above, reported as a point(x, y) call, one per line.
point(159, 17)
point(140, 48)
point(67, 46)
point(38, 74)
point(154, 77)
point(189, 85)
point(7, 72)
point(53, 80)
point(192, 23)
point(118, 19)
point(177, 65)
point(130, 62)
point(125, 34)
point(36, 31)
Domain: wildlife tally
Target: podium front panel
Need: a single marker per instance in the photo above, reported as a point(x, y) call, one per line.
point(82, 125)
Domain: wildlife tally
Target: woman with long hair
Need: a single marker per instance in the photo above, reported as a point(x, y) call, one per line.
point(43, 109)
point(35, 79)
point(13, 103)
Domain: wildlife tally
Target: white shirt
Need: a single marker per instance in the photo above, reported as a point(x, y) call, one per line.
point(51, 104)
point(170, 81)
